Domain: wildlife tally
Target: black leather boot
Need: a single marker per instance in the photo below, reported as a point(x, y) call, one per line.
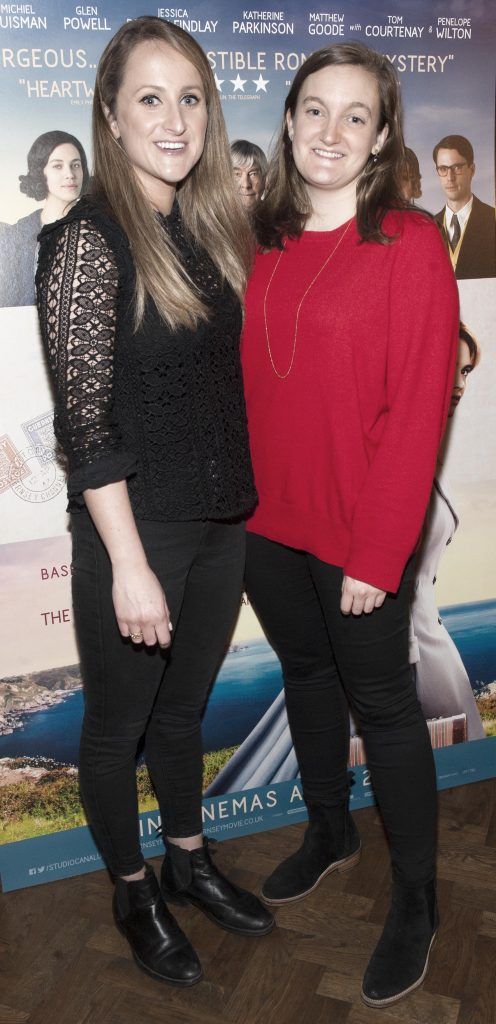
point(331, 843)
point(159, 946)
point(189, 876)
point(401, 958)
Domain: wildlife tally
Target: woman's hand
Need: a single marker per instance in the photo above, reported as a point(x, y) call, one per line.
point(140, 605)
point(358, 597)
point(139, 601)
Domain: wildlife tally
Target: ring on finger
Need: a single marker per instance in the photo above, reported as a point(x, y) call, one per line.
point(136, 637)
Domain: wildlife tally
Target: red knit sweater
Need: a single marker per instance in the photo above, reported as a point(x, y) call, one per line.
point(344, 448)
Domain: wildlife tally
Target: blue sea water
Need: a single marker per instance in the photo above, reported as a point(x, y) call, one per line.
point(247, 684)
point(473, 628)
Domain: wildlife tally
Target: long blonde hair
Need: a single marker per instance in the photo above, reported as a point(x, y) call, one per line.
point(209, 205)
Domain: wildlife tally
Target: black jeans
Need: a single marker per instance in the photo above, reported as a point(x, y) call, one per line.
point(329, 659)
point(132, 691)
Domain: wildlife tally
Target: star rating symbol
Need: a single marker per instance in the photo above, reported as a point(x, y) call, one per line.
point(261, 83)
point(219, 82)
point(239, 83)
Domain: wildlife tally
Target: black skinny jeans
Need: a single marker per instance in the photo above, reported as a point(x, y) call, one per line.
point(329, 659)
point(132, 691)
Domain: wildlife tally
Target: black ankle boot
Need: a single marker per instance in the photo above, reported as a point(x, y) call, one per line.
point(159, 946)
point(189, 876)
point(331, 843)
point(400, 960)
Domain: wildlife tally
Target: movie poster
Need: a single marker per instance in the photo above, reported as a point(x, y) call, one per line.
point(442, 52)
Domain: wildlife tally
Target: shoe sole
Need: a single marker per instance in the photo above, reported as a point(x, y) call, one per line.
point(406, 991)
point(183, 901)
point(338, 865)
point(180, 983)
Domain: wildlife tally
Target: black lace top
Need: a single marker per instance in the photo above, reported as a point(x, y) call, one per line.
point(162, 409)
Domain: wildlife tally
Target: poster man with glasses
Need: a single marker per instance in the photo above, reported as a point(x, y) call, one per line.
point(467, 224)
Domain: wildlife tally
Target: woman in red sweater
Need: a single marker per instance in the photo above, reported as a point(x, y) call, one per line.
point(348, 353)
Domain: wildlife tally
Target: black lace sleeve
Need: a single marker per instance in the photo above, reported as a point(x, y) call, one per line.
point(77, 288)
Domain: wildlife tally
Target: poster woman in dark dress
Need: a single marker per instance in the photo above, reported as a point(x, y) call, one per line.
point(57, 175)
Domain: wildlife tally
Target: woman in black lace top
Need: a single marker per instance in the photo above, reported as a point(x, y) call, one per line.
point(139, 294)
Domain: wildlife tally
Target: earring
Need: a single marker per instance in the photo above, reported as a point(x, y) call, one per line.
point(374, 155)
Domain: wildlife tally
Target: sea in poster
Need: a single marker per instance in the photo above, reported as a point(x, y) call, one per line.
point(247, 684)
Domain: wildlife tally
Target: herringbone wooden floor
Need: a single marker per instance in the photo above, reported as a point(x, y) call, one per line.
point(64, 963)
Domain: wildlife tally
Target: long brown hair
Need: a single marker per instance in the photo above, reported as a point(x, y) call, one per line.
point(286, 206)
point(209, 205)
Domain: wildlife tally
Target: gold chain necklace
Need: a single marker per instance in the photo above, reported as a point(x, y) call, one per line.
point(282, 376)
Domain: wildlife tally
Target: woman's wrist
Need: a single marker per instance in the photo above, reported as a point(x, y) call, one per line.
point(129, 561)
point(111, 512)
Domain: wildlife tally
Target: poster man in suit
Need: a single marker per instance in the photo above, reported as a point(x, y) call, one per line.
point(467, 224)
